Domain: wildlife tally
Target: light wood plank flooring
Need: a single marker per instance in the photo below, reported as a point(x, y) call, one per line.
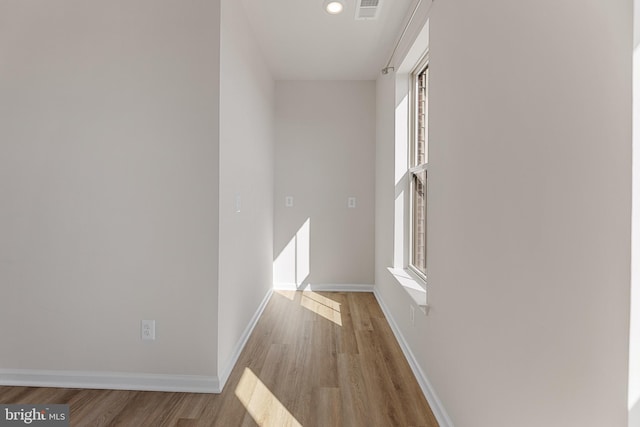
point(314, 359)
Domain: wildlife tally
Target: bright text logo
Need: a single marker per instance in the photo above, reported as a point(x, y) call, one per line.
point(36, 415)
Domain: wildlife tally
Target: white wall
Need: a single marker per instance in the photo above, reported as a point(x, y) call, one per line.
point(108, 183)
point(246, 170)
point(634, 336)
point(529, 212)
point(325, 148)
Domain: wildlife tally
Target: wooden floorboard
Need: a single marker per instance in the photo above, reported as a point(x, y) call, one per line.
point(314, 359)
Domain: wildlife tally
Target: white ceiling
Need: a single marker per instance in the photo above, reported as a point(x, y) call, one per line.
point(303, 42)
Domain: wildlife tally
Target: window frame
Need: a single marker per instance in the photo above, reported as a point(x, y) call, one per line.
point(414, 168)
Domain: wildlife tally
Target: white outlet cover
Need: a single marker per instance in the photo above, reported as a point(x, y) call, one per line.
point(148, 330)
point(288, 201)
point(351, 202)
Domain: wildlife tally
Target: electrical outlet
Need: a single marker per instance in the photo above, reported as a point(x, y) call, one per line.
point(351, 202)
point(148, 330)
point(412, 315)
point(288, 201)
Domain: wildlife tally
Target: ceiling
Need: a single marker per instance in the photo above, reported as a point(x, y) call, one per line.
point(303, 42)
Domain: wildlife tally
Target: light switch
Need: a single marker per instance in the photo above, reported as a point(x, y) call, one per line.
point(288, 201)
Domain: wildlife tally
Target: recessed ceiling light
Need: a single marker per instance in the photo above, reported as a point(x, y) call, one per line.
point(333, 7)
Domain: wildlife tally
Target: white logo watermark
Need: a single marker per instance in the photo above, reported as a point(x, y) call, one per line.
point(39, 415)
point(28, 417)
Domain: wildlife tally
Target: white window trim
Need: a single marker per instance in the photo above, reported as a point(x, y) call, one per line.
point(418, 275)
point(409, 278)
point(413, 286)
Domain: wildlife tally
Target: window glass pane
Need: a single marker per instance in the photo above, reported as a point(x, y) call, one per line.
point(419, 226)
point(421, 117)
point(419, 179)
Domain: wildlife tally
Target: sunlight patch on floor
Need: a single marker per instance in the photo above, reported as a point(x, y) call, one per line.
point(322, 306)
point(290, 295)
point(265, 409)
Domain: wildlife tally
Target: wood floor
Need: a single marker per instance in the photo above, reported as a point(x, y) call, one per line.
point(314, 359)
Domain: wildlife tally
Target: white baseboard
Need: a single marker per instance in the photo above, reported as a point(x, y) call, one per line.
point(131, 381)
point(109, 380)
point(224, 375)
point(321, 287)
point(427, 389)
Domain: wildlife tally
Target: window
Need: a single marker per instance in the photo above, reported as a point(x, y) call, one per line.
point(418, 168)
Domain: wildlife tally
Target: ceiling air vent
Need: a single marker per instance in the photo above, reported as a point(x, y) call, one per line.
point(367, 9)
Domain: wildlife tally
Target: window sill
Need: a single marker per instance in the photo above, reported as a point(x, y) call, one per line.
point(414, 288)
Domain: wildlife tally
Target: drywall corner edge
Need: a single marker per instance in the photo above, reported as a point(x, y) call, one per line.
point(226, 372)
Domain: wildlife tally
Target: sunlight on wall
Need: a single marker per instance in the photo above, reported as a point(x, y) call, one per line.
point(322, 306)
point(402, 135)
point(401, 151)
point(292, 266)
point(398, 231)
point(302, 252)
point(265, 408)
